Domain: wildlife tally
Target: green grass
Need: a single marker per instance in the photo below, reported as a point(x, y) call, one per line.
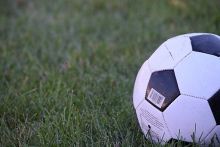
point(67, 68)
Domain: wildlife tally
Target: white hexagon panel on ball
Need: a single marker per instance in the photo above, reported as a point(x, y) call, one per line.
point(161, 59)
point(141, 83)
point(189, 118)
point(195, 72)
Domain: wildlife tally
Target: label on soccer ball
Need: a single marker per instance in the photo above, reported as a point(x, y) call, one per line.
point(156, 98)
point(150, 118)
point(151, 122)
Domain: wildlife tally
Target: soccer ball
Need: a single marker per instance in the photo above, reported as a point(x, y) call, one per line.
point(177, 90)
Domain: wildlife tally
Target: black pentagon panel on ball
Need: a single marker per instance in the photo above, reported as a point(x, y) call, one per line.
point(206, 43)
point(162, 89)
point(214, 103)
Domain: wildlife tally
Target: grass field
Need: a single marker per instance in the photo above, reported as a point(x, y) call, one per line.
point(67, 68)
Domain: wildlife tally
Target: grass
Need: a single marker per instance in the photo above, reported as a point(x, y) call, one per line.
point(67, 68)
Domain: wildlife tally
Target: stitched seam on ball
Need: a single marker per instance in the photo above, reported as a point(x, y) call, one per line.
point(168, 51)
point(167, 126)
point(182, 58)
point(163, 70)
point(197, 97)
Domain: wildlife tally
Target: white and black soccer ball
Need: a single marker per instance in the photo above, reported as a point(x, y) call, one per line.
point(177, 90)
